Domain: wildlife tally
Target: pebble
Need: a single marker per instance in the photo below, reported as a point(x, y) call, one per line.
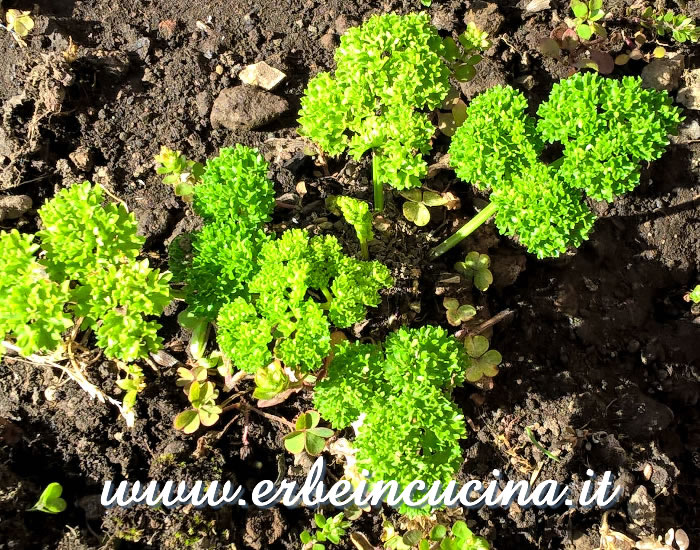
point(13, 206)
point(663, 74)
point(246, 108)
point(261, 75)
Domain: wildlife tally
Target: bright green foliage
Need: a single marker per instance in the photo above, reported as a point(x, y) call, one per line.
point(681, 27)
point(607, 128)
point(307, 435)
point(234, 198)
point(587, 15)
point(270, 381)
point(50, 501)
point(357, 214)
point(460, 538)
point(475, 268)
point(32, 308)
point(543, 211)
point(356, 374)
point(235, 187)
point(484, 361)
point(178, 171)
point(456, 313)
point(387, 71)
point(133, 384)
point(204, 411)
point(282, 309)
point(497, 140)
point(404, 393)
point(462, 61)
point(89, 270)
point(328, 530)
point(694, 295)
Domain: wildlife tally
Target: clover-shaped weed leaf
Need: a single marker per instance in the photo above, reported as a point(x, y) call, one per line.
point(187, 421)
point(484, 362)
point(414, 209)
point(50, 501)
point(456, 314)
point(19, 22)
point(307, 436)
point(475, 268)
point(187, 376)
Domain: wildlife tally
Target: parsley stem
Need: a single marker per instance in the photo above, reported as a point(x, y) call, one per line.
point(364, 249)
point(464, 231)
point(378, 187)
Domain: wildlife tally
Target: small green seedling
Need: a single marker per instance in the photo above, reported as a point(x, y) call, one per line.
point(204, 411)
point(587, 14)
point(457, 314)
point(133, 384)
point(188, 376)
point(459, 538)
point(484, 362)
point(180, 172)
point(50, 501)
point(538, 445)
point(19, 25)
point(328, 530)
point(463, 56)
point(606, 127)
point(681, 27)
point(307, 436)
point(418, 202)
point(270, 381)
point(475, 269)
point(693, 295)
point(357, 214)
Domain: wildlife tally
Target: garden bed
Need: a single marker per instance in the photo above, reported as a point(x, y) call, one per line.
point(600, 350)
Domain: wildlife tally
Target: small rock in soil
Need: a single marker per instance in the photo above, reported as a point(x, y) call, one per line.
point(641, 511)
point(537, 5)
point(663, 74)
point(689, 95)
point(328, 41)
point(343, 23)
point(82, 158)
point(485, 16)
point(261, 75)
point(246, 108)
point(13, 206)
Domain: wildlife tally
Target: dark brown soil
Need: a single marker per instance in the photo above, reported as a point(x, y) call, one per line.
point(601, 353)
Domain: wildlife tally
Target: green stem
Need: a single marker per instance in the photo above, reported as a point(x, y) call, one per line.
point(378, 188)
point(364, 247)
point(464, 231)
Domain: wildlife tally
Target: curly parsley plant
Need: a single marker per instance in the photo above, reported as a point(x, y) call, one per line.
point(234, 198)
point(88, 272)
point(388, 71)
point(410, 428)
point(302, 287)
point(606, 127)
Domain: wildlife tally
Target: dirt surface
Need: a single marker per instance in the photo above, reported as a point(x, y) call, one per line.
point(601, 353)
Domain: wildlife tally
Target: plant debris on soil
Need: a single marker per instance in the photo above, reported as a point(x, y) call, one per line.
point(601, 354)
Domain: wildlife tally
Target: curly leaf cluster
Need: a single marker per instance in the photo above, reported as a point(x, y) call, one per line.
point(90, 271)
point(387, 71)
point(235, 198)
point(411, 429)
point(32, 307)
point(607, 128)
point(292, 270)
